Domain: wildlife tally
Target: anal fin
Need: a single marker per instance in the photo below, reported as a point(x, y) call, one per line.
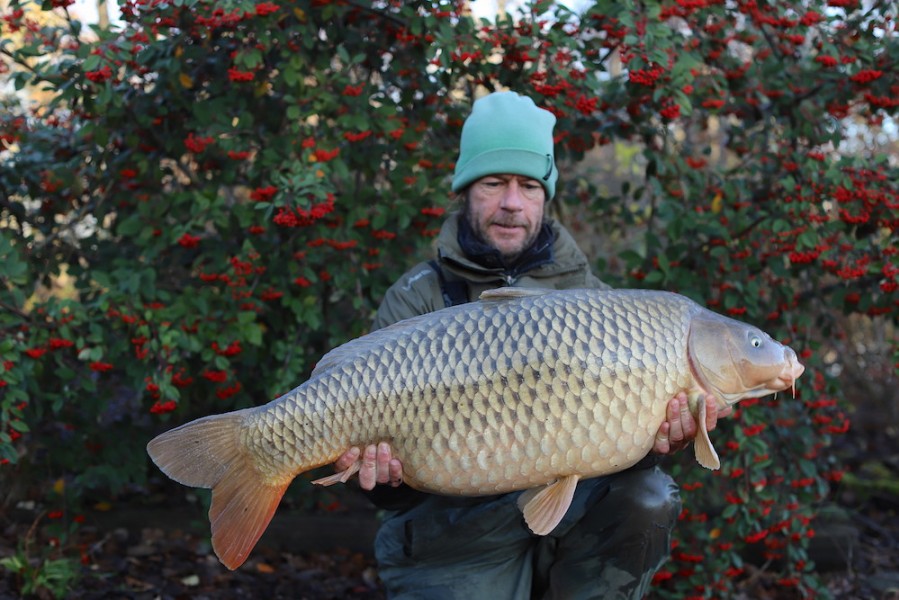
point(543, 508)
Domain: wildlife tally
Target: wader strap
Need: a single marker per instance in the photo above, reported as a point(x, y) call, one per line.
point(454, 292)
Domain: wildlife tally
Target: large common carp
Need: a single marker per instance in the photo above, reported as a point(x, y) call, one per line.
point(525, 389)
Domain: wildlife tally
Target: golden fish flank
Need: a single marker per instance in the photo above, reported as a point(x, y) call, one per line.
point(526, 389)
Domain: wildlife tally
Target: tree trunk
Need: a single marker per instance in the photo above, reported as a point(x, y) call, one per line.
point(102, 15)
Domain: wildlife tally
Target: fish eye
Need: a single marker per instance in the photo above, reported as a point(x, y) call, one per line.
point(756, 342)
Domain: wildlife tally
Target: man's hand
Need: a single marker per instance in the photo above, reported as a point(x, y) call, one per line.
point(680, 428)
point(378, 465)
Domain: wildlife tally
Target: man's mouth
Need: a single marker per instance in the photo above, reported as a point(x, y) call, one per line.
point(507, 226)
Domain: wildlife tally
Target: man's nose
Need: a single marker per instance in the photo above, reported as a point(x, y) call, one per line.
point(512, 196)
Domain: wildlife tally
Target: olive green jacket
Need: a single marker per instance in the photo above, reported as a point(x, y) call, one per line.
point(419, 292)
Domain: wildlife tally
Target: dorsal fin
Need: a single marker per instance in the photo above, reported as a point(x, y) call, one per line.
point(510, 293)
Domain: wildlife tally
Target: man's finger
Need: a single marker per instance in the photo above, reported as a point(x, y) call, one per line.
point(687, 423)
point(369, 471)
point(383, 465)
point(676, 431)
point(396, 472)
point(347, 459)
point(662, 445)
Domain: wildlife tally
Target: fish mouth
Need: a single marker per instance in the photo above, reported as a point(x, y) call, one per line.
point(788, 376)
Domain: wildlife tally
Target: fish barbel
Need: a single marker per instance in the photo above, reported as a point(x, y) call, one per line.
point(523, 390)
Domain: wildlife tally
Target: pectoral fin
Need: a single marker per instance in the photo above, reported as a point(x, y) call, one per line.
point(544, 507)
point(702, 445)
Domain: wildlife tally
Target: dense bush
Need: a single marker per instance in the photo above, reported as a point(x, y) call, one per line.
point(212, 195)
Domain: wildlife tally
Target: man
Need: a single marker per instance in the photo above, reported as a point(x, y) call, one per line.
point(617, 532)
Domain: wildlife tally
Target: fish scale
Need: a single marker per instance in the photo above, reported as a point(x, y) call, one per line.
point(523, 390)
point(535, 422)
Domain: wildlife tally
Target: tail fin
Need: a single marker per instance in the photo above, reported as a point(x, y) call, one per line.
point(208, 453)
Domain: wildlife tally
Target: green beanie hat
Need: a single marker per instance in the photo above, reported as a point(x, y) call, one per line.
point(507, 133)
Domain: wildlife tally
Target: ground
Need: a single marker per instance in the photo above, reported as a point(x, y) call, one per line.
point(154, 543)
point(162, 552)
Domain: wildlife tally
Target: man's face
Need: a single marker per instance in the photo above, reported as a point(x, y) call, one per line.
point(506, 211)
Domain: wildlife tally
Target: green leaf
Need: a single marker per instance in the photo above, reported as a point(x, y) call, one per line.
point(246, 317)
point(91, 63)
point(249, 58)
point(664, 264)
point(253, 335)
point(654, 277)
point(19, 426)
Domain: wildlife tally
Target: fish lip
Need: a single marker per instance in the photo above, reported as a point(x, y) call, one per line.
point(788, 376)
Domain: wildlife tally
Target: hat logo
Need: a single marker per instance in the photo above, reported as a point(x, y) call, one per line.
point(549, 167)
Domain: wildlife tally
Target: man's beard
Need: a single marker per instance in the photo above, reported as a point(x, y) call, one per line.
point(481, 235)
